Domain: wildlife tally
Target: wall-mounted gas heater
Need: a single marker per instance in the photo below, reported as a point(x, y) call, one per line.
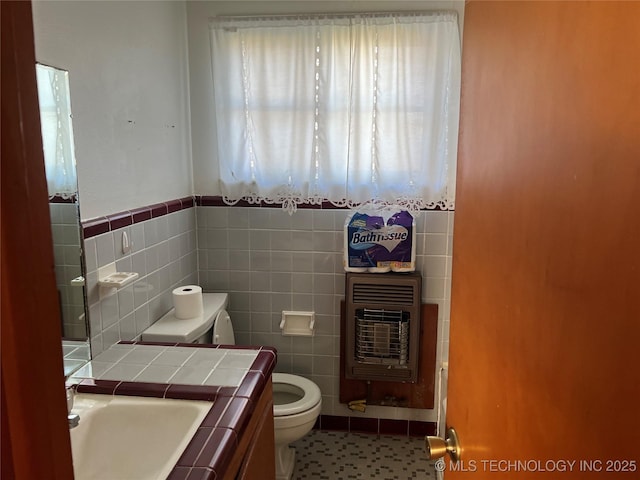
point(382, 326)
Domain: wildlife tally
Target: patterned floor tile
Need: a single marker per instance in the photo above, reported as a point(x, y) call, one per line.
point(340, 455)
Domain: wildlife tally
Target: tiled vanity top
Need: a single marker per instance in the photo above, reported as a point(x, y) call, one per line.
point(169, 364)
point(232, 377)
point(75, 355)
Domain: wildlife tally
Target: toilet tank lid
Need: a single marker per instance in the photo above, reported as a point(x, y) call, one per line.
point(170, 328)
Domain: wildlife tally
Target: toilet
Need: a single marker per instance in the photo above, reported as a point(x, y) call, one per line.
point(296, 400)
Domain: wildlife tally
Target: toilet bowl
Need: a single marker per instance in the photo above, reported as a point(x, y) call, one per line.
point(296, 400)
point(296, 405)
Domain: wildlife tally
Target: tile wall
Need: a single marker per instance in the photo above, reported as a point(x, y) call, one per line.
point(269, 261)
point(164, 255)
point(66, 250)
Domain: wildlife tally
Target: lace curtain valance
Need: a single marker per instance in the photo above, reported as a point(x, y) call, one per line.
point(347, 109)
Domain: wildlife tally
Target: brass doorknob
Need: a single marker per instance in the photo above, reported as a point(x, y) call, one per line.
point(437, 447)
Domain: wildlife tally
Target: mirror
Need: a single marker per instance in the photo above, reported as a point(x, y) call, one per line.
point(60, 166)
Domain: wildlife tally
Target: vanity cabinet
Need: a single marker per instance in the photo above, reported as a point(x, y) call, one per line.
point(255, 456)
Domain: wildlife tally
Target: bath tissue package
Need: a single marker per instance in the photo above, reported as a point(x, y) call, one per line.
point(380, 240)
point(187, 301)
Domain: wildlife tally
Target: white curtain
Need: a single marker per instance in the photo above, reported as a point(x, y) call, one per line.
point(345, 109)
point(57, 132)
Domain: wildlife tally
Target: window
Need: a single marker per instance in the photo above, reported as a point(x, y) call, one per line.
point(345, 109)
point(57, 131)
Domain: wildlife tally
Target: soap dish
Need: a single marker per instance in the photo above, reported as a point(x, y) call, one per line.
point(118, 279)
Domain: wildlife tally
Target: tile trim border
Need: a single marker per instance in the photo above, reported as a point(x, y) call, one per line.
point(217, 201)
point(60, 199)
point(109, 223)
point(114, 221)
point(375, 426)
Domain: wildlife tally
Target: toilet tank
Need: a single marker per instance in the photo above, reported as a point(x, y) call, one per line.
point(190, 330)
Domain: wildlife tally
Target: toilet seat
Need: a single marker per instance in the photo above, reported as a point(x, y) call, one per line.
point(311, 396)
point(223, 329)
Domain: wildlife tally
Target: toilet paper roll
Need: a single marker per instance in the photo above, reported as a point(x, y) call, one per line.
point(382, 268)
point(187, 301)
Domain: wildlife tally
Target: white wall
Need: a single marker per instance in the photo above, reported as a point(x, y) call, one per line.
point(198, 13)
point(128, 74)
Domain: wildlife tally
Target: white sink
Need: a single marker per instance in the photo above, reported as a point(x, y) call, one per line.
point(131, 438)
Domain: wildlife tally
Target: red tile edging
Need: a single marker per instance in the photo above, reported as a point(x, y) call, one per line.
point(217, 201)
point(59, 199)
point(99, 225)
point(378, 426)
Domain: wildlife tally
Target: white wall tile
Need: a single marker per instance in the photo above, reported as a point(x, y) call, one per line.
point(281, 301)
point(323, 283)
point(303, 219)
point(323, 263)
point(261, 302)
point(302, 241)
point(128, 327)
point(217, 217)
point(302, 365)
point(260, 281)
point(281, 261)
point(281, 282)
point(436, 221)
point(258, 218)
point(104, 249)
point(238, 281)
point(279, 219)
point(281, 240)
point(322, 364)
point(151, 236)
point(238, 239)
point(302, 282)
point(241, 321)
point(325, 325)
point(323, 241)
point(323, 220)
point(310, 247)
point(302, 262)
point(217, 238)
point(302, 302)
point(261, 322)
point(125, 301)
point(238, 218)
point(435, 244)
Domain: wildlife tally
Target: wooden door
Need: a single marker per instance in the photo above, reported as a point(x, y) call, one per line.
point(34, 430)
point(545, 319)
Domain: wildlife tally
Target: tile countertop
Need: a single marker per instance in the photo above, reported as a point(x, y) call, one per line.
point(75, 355)
point(232, 377)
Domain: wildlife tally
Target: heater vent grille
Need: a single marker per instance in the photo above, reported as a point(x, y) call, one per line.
point(382, 336)
point(387, 294)
point(382, 326)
